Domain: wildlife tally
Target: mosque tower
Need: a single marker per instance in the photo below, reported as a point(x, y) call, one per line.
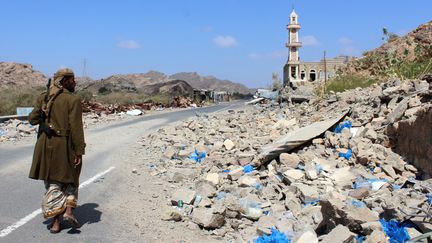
point(292, 67)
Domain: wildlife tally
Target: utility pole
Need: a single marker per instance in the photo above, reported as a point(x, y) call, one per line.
point(325, 72)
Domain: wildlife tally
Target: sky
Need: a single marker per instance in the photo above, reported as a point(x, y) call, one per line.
point(239, 40)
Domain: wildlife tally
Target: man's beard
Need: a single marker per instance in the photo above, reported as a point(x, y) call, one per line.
point(70, 89)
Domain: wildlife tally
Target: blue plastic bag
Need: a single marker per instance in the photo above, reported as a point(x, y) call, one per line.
point(341, 126)
point(248, 168)
point(197, 156)
point(395, 230)
point(275, 237)
point(346, 155)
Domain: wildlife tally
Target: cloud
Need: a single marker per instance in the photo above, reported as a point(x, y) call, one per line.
point(309, 40)
point(225, 41)
point(128, 44)
point(266, 56)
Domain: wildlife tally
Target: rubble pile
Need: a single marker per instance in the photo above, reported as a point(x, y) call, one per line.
point(14, 129)
point(346, 185)
point(181, 102)
point(99, 108)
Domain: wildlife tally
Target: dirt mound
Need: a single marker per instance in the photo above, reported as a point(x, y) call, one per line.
point(389, 59)
point(12, 73)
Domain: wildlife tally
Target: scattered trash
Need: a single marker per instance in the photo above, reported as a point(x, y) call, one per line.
point(374, 184)
point(134, 112)
point(180, 203)
point(346, 155)
point(275, 237)
point(313, 202)
point(357, 203)
point(360, 238)
point(248, 168)
point(197, 156)
point(338, 128)
point(395, 230)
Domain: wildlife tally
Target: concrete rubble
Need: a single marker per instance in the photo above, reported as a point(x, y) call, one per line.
point(333, 188)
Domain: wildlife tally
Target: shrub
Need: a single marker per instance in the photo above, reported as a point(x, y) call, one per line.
point(346, 82)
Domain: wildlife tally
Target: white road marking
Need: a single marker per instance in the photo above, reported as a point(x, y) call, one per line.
point(35, 213)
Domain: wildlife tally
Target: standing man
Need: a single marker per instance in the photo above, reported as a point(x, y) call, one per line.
point(57, 157)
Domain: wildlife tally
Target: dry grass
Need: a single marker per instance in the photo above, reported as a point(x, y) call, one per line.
point(13, 97)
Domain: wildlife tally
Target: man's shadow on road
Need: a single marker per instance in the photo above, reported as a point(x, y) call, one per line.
point(85, 214)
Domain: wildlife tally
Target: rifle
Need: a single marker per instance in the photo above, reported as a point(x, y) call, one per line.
point(43, 127)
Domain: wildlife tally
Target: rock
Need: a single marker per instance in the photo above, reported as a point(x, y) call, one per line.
point(171, 214)
point(186, 195)
point(371, 134)
point(183, 154)
point(294, 174)
point(290, 160)
point(359, 193)
point(213, 178)
point(229, 144)
point(343, 177)
point(388, 169)
point(311, 174)
point(169, 153)
point(307, 237)
point(307, 193)
point(207, 219)
point(236, 173)
point(414, 102)
point(377, 236)
point(246, 181)
point(245, 158)
point(205, 189)
point(340, 234)
point(267, 222)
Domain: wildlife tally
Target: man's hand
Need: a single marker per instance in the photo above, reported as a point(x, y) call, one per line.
point(78, 160)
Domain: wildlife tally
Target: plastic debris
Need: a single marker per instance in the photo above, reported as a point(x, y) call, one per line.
point(429, 198)
point(197, 156)
point(360, 238)
point(275, 237)
point(180, 203)
point(313, 202)
point(346, 155)
point(343, 125)
point(248, 168)
point(395, 230)
point(258, 186)
point(135, 112)
point(357, 203)
point(226, 171)
point(374, 184)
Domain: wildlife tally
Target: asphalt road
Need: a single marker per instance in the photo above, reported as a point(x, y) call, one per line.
point(107, 146)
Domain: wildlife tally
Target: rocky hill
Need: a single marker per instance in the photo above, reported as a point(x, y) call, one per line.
point(147, 82)
point(404, 57)
point(210, 82)
point(20, 74)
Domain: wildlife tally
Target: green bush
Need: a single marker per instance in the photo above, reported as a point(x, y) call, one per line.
point(346, 82)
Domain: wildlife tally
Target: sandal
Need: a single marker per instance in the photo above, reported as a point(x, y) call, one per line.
point(52, 231)
point(72, 220)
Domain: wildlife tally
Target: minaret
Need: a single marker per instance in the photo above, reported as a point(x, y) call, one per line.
point(292, 67)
